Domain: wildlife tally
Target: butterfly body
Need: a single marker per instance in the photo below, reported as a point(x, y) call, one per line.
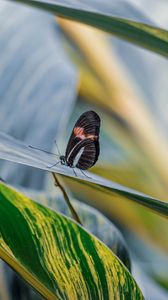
point(82, 150)
point(63, 160)
point(83, 147)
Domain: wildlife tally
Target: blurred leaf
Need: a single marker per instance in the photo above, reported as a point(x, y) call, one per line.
point(42, 83)
point(106, 83)
point(56, 256)
point(162, 281)
point(121, 162)
point(16, 151)
point(133, 151)
point(151, 261)
point(149, 37)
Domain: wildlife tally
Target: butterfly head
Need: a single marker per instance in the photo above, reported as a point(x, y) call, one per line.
point(63, 160)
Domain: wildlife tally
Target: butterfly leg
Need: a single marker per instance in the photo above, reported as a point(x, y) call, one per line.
point(74, 172)
point(50, 167)
point(84, 174)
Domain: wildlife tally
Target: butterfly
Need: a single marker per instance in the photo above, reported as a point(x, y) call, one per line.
point(83, 147)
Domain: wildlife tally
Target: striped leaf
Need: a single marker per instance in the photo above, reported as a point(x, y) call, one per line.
point(149, 37)
point(56, 256)
point(16, 151)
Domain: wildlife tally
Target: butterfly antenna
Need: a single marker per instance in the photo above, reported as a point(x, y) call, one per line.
point(32, 147)
point(57, 148)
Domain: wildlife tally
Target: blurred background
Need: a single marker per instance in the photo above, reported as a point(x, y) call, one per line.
point(51, 70)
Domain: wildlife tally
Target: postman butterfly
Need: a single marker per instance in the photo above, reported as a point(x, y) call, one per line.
point(83, 148)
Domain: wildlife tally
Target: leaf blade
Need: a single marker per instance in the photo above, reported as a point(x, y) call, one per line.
point(149, 37)
point(16, 151)
point(68, 261)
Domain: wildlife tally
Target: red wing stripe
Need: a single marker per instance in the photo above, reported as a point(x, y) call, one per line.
point(79, 132)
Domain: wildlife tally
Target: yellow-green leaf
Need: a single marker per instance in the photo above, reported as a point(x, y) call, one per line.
point(58, 257)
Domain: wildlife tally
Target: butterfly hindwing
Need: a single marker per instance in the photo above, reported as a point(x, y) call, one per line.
point(85, 140)
point(89, 156)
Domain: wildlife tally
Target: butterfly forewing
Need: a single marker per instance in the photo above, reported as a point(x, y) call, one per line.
point(85, 135)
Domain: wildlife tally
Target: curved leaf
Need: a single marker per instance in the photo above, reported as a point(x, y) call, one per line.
point(16, 151)
point(56, 255)
point(144, 35)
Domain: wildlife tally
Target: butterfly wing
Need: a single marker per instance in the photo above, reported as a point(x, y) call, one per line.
point(84, 141)
point(89, 155)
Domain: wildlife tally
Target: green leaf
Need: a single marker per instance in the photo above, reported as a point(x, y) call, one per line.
point(56, 256)
point(149, 37)
point(16, 151)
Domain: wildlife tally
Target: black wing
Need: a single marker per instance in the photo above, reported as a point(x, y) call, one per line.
point(84, 141)
point(89, 156)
